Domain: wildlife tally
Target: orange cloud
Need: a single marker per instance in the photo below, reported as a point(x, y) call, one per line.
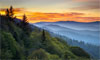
point(53, 17)
point(34, 17)
point(16, 10)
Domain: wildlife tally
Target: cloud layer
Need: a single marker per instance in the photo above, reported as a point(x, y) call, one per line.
point(87, 4)
point(54, 10)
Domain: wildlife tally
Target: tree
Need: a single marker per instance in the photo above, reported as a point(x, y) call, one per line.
point(24, 22)
point(7, 12)
point(25, 25)
point(11, 11)
point(43, 36)
point(39, 54)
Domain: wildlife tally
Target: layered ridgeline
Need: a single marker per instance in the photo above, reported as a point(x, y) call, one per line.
point(84, 35)
point(87, 32)
point(21, 40)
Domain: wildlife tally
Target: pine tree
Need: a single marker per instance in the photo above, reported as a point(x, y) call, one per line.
point(11, 11)
point(25, 25)
point(24, 22)
point(43, 36)
point(7, 12)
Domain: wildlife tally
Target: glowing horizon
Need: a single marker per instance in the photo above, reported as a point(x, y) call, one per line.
point(54, 10)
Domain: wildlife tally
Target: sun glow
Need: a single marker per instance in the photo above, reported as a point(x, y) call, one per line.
point(2, 12)
point(34, 17)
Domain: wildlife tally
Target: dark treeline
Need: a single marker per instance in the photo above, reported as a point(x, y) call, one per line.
point(23, 24)
point(23, 41)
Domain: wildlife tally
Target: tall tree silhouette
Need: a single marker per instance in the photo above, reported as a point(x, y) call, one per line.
point(11, 11)
point(24, 22)
point(25, 25)
point(43, 36)
point(7, 12)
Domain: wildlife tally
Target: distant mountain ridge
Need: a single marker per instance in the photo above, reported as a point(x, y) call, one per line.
point(84, 35)
point(93, 26)
point(70, 22)
point(87, 32)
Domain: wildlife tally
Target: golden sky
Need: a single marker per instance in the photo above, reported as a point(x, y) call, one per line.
point(54, 10)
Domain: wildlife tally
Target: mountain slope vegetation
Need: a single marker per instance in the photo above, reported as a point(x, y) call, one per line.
point(87, 39)
point(25, 42)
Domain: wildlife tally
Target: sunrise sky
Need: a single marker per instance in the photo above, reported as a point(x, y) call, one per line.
point(54, 10)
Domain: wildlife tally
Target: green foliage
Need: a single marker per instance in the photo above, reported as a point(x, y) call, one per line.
point(69, 55)
point(79, 52)
point(54, 57)
point(9, 47)
point(39, 54)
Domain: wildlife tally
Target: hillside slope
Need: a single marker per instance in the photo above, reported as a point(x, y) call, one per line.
point(33, 43)
point(84, 35)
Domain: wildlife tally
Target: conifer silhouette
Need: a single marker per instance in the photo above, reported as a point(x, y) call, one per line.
point(11, 11)
point(43, 36)
point(7, 12)
point(24, 21)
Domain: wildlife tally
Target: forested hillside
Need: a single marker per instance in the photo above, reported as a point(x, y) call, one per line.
point(82, 34)
point(20, 40)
